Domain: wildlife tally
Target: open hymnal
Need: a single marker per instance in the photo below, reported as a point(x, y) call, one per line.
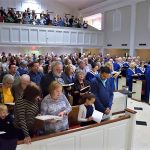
point(115, 72)
point(85, 89)
point(2, 132)
point(10, 104)
point(48, 117)
point(67, 85)
point(97, 116)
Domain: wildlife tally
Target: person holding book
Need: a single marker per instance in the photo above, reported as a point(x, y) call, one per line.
point(131, 73)
point(79, 84)
point(54, 75)
point(68, 76)
point(86, 109)
point(114, 75)
point(26, 109)
point(103, 91)
point(56, 103)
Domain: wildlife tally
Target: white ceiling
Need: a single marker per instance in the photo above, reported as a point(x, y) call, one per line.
point(80, 4)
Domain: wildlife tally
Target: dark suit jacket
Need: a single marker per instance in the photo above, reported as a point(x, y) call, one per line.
point(45, 82)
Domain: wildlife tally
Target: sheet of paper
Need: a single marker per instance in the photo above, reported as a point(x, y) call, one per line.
point(2, 132)
point(48, 117)
point(97, 116)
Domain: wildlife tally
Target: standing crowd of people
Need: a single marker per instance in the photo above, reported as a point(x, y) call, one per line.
point(51, 84)
point(44, 18)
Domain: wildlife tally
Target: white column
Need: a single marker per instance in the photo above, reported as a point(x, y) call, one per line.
point(132, 30)
point(81, 50)
point(102, 50)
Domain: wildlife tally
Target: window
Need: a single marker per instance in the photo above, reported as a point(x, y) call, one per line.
point(94, 21)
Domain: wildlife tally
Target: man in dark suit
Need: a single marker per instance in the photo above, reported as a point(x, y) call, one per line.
point(55, 74)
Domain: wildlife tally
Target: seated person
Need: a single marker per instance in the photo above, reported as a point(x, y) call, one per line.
point(8, 140)
point(56, 103)
point(5, 90)
point(26, 109)
point(86, 110)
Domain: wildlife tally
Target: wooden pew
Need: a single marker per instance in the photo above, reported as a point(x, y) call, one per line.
point(73, 117)
point(116, 133)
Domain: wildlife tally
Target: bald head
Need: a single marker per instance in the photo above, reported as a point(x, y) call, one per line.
point(24, 80)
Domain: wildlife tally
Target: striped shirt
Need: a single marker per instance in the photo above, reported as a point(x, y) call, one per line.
point(25, 112)
point(54, 107)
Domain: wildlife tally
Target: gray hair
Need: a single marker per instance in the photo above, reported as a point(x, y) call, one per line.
point(8, 78)
point(25, 77)
point(78, 72)
point(55, 63)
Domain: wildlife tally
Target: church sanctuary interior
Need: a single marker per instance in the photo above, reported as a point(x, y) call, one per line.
point(74, 74)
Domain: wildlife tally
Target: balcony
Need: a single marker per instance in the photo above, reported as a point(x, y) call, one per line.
point(19, 34)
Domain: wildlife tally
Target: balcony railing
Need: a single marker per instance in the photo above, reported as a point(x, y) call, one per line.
point(19, 34)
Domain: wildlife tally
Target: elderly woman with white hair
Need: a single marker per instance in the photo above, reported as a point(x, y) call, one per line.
point(5, 89)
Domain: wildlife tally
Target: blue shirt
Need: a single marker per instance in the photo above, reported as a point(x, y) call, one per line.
point(36, 77)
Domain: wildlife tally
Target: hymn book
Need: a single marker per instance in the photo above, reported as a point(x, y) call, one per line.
point(48, 117)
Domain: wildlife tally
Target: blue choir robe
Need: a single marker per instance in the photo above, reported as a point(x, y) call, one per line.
point(147, 90)
point(126, 64)
point(116, 66)
point(140, 71)
point(90, 75)
point(114, 82)
point(129, 77)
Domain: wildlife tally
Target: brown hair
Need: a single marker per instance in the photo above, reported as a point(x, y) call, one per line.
point(67, 69)
point(54, 85)
point(86, 96)
point(31, 92)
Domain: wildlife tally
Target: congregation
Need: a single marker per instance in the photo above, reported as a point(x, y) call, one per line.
point(52, 84)
point(43, 18)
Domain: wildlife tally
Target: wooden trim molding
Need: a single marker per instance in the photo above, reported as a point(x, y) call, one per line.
point(130, 111)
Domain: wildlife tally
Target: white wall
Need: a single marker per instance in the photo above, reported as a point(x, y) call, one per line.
point(142, 34)
point(42, 50)
point(116, 34)
point(38, 5)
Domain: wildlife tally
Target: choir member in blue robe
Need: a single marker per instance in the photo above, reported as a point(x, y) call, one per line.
point(113, 76)
point(94, 71)
point(116, 66)
point(147, 74)
point(141, 71)
point(129, 75)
